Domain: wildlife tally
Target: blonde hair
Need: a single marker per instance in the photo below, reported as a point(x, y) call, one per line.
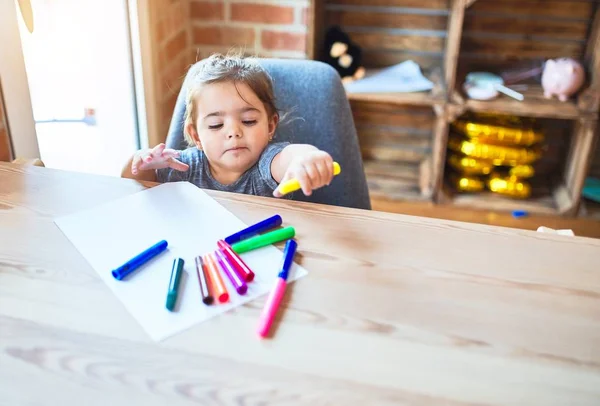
point(233, 67)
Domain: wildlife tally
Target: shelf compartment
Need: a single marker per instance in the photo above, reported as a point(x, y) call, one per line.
point(534, 105)
point(426, 98)
point(394, 181)
point(560, 173)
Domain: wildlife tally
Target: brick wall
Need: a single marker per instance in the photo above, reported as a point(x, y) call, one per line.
point(268, 28)
point(170, 24)
point(5, 154)
point(185, 31)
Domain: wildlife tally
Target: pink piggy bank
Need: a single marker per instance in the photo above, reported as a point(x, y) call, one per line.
point(562, 78)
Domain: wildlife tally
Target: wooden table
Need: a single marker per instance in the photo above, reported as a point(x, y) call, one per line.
point(396, 310)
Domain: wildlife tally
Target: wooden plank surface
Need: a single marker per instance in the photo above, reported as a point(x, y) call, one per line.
point(383, 40)
point(542, 8)
point(453, 42)
point(393, 133)
point(419, 118)
point(419, 4)
point(315, 22)
point(5, 148)
point(520, 48)
point(534, 105)
point(544, 205)
point(427, 98)
point(395, 310)
point(576, 170)
point(382, 58)
point(581, 226)
point(439, 149)
point(360, 18)
point(517, 25)
point(398, 181)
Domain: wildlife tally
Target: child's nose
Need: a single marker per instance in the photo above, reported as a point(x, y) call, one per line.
point(234, 131)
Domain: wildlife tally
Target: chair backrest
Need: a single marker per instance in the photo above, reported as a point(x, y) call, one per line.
point(312, 94)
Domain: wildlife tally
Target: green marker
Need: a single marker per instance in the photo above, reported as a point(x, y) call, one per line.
point(263, 240)
point(174, 282)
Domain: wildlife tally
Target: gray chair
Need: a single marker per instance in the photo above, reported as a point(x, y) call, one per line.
point(320, 115)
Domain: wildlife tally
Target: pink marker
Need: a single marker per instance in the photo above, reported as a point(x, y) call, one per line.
point(272, 304)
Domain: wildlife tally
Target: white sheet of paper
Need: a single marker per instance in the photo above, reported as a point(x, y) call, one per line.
point(401, 78)
point(191, 221)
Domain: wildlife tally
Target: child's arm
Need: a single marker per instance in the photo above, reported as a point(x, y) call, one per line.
point(312, 167)
point(143, 164)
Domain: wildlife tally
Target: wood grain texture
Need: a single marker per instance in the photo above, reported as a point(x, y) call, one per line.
point(520, 47)
point(386, 41)
point(360, 18)
point(396, 310)
point(584, 143)
point(383, 58)
point(393, 180)
point(541, 8)
point(428, 98)
point(534, 105)
point(588, 226)
point(453, 42)
point(315, 25)
point(5, 147)
point(519, 25)
point(413, 117)
point(429, 4)
point(592, 52)
point(438, 155)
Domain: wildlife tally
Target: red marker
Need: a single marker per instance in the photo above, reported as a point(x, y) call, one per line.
point(238, 263)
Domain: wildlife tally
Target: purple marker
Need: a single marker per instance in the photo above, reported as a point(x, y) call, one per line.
point(238, 283)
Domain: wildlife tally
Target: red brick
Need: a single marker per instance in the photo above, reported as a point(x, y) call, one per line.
point(204, 10)
point(179, 17)
point(304, 18)
point(176, 46)
point(262, 13)
point(225, 36)
point(283, 41)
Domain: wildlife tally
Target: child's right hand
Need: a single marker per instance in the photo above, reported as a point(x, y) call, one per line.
point(157, 158)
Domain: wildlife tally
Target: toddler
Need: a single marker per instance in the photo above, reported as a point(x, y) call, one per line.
point(230, 122)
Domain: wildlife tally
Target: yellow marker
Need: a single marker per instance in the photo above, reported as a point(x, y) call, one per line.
point(292, 185)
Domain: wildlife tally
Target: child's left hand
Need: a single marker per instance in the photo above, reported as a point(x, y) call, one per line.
point(313, 170)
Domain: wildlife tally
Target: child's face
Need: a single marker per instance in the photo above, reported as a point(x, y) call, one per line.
point(233, 131)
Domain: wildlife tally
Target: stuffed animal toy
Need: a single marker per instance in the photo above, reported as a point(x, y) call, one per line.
point(344, 55)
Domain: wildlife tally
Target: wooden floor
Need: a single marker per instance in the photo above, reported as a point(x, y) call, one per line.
point(588, 226)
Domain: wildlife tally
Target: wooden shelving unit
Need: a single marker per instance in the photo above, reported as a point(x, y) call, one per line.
point(403, 136)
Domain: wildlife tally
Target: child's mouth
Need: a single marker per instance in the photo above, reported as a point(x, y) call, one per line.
point(236, 149)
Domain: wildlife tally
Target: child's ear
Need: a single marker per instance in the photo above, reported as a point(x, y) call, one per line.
point(191, 130)
point(273, 125)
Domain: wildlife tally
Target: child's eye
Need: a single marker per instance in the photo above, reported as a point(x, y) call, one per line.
point(249, 122)
point(215, 126)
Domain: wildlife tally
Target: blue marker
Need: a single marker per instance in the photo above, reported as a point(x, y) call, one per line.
point(174, 283)
point(254, 229)
point(139, 260)
point(288, 258)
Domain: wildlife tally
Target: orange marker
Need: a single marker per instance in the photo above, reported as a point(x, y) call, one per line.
point(218, 287)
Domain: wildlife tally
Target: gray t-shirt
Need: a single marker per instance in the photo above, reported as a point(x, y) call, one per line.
point(256, 181)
